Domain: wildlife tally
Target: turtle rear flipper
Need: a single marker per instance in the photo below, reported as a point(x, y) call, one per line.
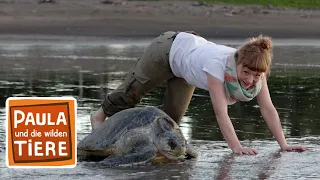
point(191, 152)
point(141, 156)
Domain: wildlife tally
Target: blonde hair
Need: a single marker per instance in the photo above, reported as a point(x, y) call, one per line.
point(256, 54)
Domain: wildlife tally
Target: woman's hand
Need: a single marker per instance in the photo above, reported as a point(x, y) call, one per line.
point(244, 151)
point(294, 148)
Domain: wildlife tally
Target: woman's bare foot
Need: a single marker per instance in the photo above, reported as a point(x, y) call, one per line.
point(97, 118)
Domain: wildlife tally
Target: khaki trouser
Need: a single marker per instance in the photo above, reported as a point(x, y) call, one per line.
point(150, 70)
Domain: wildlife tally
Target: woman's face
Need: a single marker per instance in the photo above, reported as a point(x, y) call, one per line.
point(247, 77)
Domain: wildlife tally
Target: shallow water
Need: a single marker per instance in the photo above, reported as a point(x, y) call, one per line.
point(86, 70)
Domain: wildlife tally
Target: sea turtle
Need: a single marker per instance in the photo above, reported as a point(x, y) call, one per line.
point(136, 136)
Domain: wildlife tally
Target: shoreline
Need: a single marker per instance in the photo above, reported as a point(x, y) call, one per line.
point(148, 19)
point(53, 40)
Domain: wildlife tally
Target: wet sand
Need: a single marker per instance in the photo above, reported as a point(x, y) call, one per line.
point(87, 72)
point(131, 19)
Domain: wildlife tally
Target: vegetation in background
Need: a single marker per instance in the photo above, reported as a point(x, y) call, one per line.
point(305, 4)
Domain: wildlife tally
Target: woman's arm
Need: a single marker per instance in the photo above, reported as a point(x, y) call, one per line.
point(270, 115)
point(220, 107)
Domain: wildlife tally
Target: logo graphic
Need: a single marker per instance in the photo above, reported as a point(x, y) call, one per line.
point(41, 132)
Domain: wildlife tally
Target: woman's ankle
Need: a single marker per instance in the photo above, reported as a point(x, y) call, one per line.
point(99, 115)
point(97, 118)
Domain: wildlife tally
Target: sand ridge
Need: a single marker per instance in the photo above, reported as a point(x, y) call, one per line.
point(118, 18)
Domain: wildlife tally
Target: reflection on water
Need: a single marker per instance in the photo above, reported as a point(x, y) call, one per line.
point(87, 72)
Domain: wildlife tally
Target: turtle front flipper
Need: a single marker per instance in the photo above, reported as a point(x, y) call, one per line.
point(191, 152)
point(141, 156)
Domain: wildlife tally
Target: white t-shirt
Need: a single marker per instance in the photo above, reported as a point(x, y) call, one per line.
point(192, 56)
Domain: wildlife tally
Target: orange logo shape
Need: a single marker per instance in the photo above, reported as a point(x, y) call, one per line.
point(41, 132)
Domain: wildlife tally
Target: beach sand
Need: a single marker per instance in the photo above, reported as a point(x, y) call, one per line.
point(151, 18)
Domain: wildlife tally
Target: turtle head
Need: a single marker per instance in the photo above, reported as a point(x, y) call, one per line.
point(171, 144)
